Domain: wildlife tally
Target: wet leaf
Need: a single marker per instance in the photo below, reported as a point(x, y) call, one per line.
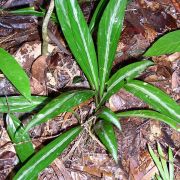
point(167, 44)
point(23, 145)
point(21, 104)
point(60, 104)
point(106, 134)
point(156, 98)
point(109, 31)
point(108, 115)
point(126, 73)
point(97, 14)
point(47, 155)
point(152, 115)
point(78, 37)
point(14, 73)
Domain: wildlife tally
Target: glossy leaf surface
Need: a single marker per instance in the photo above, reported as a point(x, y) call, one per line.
point(78, 37)
point(47, 155)
point(152, 115)
point(109, 31)
point(23, 145)
point(31, 11)
point(15, 74)
point(60, 104)
point(97, 14)
point(117, 81)
point(106, 134)
point(167, 44)
point(109, 116)
point(156, 98)
point(21, 104)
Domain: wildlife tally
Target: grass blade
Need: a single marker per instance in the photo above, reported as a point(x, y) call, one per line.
point(152, 115)
point(15, 74)
point(23, 145)
point(32, 12)
point(46, 155)
point(60, 104)
point(171, 166)
point(106, 134)
point(78, 37)
point(109, 31)
point(156, 98)
point(163, 161)
point(156, 161)
point(109, 116)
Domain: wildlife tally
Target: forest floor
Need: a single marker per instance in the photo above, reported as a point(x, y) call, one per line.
point(145, 21)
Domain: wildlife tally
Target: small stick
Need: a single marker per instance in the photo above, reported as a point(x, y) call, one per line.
point(45, 29)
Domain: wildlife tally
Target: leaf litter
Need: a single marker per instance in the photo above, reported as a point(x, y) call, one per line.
point(144, 21)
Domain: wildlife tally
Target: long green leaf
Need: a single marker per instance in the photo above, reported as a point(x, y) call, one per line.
point(156, 98)
point(106, 134)
point(171, 165)
point(60, 104)
point(158, 177)
point(108, 115)
point(21, 104)
point(97, 14)
point(152, 115)
point(157, 162)
point(163, 161)
point(47, 155)
point(14, 72)
point(128, 72)
point(167, 44)
point(109, 31)
point(78, 37)
point(23, 145)
point(31, 11)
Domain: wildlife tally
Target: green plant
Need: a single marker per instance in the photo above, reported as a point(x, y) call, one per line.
point(96, 66)
point(163, 164)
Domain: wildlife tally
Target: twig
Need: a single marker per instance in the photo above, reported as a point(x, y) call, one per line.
point(57, 42)
point(45, 29)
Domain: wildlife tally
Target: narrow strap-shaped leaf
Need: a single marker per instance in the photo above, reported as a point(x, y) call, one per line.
point(157, 162)
point(163, 161)
point(128, 72)
point(60, 104)
point(23, 145)
point(158, 177)
point(106, 134)
point(15, 74)
point(97, 14)
point(46, 155)
point(31, 11)
point(109, 31)
point(156, 98)
point(169, 43)
point(171, 165)
point(78, 37)
point(151, 114)
point(21, 104)
point(108, 115)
